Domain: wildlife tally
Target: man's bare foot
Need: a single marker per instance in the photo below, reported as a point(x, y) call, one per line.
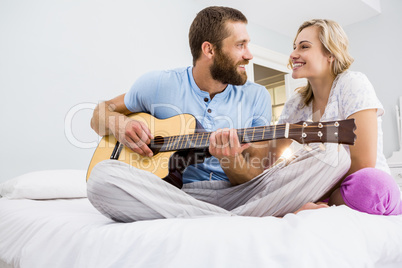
point(311, 205)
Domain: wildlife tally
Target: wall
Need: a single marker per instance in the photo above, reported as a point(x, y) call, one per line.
point(60, 58)
point(376, 47)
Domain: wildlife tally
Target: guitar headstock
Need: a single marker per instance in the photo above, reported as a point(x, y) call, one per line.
point(341, 131)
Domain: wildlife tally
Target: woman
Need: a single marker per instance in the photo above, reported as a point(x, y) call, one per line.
point(320, 54)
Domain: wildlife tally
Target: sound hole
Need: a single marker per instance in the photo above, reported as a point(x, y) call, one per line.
point(157, 144)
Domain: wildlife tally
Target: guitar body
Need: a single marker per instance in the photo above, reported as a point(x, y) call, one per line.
point(158, 164)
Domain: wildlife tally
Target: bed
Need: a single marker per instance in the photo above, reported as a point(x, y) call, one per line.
point(47, 221)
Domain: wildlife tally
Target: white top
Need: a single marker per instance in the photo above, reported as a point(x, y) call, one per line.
point(351, 92)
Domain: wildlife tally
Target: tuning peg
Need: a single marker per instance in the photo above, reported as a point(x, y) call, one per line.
point(307, 147)
point(322, 146)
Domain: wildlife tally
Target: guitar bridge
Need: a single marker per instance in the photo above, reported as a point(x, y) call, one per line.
point(116, 151)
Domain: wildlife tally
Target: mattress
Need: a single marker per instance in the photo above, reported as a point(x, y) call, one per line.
point(71, 233)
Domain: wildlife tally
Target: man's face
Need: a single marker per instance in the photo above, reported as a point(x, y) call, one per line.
point(229, 62)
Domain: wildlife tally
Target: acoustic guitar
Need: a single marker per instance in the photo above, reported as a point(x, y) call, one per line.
point(180, 141)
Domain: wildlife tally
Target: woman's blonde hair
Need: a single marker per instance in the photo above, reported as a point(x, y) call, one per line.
point(335, 42)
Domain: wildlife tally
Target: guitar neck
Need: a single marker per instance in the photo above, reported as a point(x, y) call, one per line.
point(340, 132)
point(201, 140)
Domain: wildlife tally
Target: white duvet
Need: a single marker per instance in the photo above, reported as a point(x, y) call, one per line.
point(71, 233)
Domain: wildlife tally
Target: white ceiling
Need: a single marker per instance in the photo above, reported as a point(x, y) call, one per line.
point(285, 16)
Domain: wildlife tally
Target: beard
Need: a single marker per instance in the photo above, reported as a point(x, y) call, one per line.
point(225, 70)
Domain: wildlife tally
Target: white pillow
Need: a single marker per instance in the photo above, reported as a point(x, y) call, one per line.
point(47, 184)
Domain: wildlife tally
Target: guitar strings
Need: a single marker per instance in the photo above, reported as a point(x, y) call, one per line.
point(256, 133)
point(240, 132)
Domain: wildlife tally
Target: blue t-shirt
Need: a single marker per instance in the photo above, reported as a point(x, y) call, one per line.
point(164, 94)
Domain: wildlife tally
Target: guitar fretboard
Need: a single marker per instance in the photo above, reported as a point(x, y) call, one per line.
point(201, 140)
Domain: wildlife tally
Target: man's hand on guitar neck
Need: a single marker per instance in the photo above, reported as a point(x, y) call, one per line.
point(241, 162)
point(225, 143)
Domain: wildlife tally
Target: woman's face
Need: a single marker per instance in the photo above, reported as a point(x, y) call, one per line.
point(309, 57)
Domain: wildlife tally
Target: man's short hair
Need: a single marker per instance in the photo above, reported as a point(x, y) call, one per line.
point(210, 25)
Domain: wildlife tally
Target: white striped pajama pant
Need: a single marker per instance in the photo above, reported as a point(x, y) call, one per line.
point(126, 194)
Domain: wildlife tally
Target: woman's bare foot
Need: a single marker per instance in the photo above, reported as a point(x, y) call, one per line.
point(311, 205)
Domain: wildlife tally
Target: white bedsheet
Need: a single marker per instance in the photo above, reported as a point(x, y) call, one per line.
point(71, 233)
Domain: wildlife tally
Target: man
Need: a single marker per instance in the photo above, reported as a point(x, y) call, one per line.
point(216, 91)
